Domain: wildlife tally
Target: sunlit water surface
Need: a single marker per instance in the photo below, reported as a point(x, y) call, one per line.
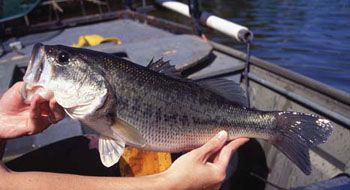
point(309, 37)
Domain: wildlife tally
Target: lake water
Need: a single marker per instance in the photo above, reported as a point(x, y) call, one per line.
point(309, 37)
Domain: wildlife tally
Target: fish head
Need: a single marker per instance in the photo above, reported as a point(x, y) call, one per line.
point(70, 75)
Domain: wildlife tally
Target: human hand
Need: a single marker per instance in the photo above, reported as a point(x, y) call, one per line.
point(205, 167)
point(18, 118)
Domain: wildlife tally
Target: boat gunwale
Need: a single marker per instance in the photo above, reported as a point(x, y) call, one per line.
point(288, 74)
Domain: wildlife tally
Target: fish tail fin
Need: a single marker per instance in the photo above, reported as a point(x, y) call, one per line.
point(298, 132)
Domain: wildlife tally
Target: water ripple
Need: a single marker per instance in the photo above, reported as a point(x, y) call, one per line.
point(309, 37)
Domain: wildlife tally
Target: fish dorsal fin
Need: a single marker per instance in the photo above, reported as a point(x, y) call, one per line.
point(110, 150)
point(164, 67)
point(225, 88)
point(128, 133)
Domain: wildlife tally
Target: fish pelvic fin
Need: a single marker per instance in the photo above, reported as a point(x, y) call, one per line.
point(110, 150)
point(298, 132)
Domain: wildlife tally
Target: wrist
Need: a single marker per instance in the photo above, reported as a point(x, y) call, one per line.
point(165, 180)
point(159, 181)
point(171, 181)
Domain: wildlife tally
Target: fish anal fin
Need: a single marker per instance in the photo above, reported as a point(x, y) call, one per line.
point(128, 133)
point(110, 150)
point(225, 88)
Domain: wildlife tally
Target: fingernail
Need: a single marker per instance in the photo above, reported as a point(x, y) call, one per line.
point(221, 135)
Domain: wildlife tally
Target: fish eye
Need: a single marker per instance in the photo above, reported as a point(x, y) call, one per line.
point(63, 57)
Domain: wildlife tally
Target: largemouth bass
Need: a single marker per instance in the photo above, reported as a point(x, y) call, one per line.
point(155, 108)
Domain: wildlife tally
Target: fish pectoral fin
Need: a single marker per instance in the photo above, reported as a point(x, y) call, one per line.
point(128, 133)
point(110, 150)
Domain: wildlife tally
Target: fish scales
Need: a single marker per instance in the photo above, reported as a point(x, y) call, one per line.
point(154, 108)
point(166, 110)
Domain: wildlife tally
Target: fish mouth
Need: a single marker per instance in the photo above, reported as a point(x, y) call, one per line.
point(34, 70)
point(36, 64)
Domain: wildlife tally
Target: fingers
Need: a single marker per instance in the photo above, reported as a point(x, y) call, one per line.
point(42, 114)
point(51, 110)
point(17, 87)
point(35, 110)
point(227, 150)
point(212, 146)
point(37, 121)
point(56, 110)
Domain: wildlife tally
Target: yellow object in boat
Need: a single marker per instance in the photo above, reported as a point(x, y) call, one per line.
point(93, 40)
point(136, 162)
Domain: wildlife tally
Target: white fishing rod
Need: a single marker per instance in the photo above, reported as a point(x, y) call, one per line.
point(240, 33)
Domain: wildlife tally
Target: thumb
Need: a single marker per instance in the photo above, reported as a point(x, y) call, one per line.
point(213, 145)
